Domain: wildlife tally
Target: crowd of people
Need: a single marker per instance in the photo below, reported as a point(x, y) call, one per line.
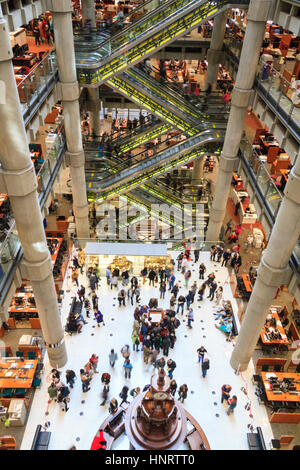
point(154, 340)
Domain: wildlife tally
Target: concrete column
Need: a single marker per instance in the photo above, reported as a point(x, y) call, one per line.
point(273, 271)
point(214, 53)
point(256, 23)
point(94, 107)
point(197, 173)
point(88, 12)
point(69, 89)
point(21, 186)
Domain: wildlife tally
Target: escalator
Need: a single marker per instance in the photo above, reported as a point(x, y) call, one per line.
point(152, 32)
point(173, 100)
point(136, 173)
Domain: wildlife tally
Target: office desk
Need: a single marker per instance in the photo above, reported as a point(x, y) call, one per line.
point(283, 396)
point(25, 307)
point(263, 334)
point(19, 377)
point(54, 255)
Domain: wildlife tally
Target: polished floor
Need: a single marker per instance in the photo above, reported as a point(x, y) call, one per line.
point(80, 423)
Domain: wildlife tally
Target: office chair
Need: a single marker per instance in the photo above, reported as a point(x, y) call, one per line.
point(265, 368)
point(275, 444)
point(7, 392)
point(31, 355)
point(19, 354)
point(20, 392)
point(277, 368)
point(36, 383)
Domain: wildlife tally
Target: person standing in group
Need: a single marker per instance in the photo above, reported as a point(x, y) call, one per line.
point(201, 291)
point(171, 281)
point(144, 274)
point(87, 306)
point(137, 294)
point(173, 387)
point(187, 277)
point(162, 289)
point(108, 275)
point(190, 318)
point(52, 392)
point(85, 381)
point(113, 406)
point(202, 270)
point(179, 260)
point(219, 295)
point(212, 289)
point(130, 294)
point(94, 361)
point(171, 366)
point(232, 404)
point(226, 257)
point(135, 341)
point(205, 367)
point(228, 227)
point(225, 392)
point(121, 298)
point(128, 368)
point(112, 357)
point(182, 392)
point(151, 277)
point(98, 316)
point(180, 304)
point(70, 377)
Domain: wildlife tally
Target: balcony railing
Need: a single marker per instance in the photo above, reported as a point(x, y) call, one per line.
point(10, 247)
point(274, 87)
point(37, 85)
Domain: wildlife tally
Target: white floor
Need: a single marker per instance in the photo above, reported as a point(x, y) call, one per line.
point(79, 425)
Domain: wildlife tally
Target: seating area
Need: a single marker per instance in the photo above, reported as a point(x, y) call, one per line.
point(41, 439)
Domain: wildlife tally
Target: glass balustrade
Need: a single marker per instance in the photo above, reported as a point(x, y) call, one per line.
point(277, 88)
point(34, 84)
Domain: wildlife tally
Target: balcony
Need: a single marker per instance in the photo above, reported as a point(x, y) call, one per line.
point(36, 86)
point(10, 247)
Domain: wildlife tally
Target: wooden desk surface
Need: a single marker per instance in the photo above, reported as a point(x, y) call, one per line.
point(247, 282)
point(25, 308)
point(279, 326)
point(274, 142)
point(283, 396)
point(18, 377)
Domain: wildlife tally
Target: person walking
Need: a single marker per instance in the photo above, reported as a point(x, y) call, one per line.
point(128, 368)
point(232, 404)
point(189, 299)
point(228, 227)
point(182, 392)
point(108, 275)
point(81, 293)
point(124, 395)
point(175, 290)
point(171, 281)
point(205, 367)
point(125, 351)
point(190, 318)
point(137, 293)
point(70, 377)
point(130, 294)
point(112, 357)
point(201, 352)
point(225, 392)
